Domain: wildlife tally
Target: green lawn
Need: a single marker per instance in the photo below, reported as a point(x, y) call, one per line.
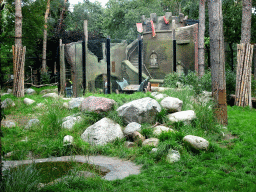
point(228, 165)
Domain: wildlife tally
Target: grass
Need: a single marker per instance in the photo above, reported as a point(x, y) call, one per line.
point(228, 165)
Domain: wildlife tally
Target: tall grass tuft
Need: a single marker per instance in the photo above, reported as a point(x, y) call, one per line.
point(21, 179)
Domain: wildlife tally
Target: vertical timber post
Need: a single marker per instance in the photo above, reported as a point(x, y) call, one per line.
point(140, 59)
point(62, 69)
point(84, 50)
point(108, 65)
point(174, 45)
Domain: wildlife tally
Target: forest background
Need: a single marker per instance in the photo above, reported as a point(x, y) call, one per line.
point(116, 19)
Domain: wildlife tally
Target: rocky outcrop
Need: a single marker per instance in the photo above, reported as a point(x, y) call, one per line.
point(97, 104)
point(30, 91)
point(8, 124)
point(140, 110)
point(102, 132)
point(173, 156)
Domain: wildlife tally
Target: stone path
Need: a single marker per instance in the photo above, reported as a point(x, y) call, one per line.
point(119, 169)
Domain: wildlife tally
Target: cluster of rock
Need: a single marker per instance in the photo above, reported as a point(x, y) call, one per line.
point(133, 113)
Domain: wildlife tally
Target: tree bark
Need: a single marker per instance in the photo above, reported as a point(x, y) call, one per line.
point(18, 54)
point(44, 69)
point(217, 60)
point(246, 21)
point(61, 17)
point(201, 38)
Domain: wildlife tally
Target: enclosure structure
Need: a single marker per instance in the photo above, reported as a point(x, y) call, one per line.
point(158, 44)
point(157, 56)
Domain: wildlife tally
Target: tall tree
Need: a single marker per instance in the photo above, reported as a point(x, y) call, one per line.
point(246, 21)
point(18, 54)
point(201, 38)
point(44, 69)
point(217, 60)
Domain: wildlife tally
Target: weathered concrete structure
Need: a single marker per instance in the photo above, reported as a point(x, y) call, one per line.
point(158, 50)
point(157, 54)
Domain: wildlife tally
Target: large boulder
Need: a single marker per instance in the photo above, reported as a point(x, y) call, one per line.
point(28, 101)
point(75, 102)
point(140, 111)
point(132, 127)
point(30, 91)
point(196, 142)
point(186, 116)
point(7, 103)
point(102, 132)
point(172, 104)
point(97, 104)
point(159, 129)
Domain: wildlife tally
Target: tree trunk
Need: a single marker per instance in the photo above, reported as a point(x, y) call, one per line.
point(217, 60)
point(201, 37)
point(18, 54)
point(44, 69)
point(246, 21)
point(61, 17)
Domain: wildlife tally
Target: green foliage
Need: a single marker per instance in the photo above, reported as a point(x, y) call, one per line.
point(230, 82)
point(22, 179)
point(45, 78)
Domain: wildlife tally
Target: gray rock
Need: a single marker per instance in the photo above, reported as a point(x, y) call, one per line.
point(8, 124)
point(30, 91)
point(39, 105)
point(186, 116)
point(49, 91)
point(160, 89)
point(28, 101)
point(140, 111)
point(196, 142)
point(68, 140)
point(173, 156)
point(137, 137)
point(70, 121)
point(97, 104)
point(160, 96)
point(132, 127)
point(102, 132)
point(52, 95)
point(9, 90)
point(65, 105)
point(151, 141)
point(172, 104)
point(32, 122)
point(2, 94)
point(159, 129)
point(75, 102)
point(154, 93)
point(9, 154)
point(129, 144)
point(85, 174)
point(154, 150)
point(7, 103)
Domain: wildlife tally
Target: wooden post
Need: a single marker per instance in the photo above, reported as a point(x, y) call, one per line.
point(243, 75)
point(62, 69)
point(84, 51)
